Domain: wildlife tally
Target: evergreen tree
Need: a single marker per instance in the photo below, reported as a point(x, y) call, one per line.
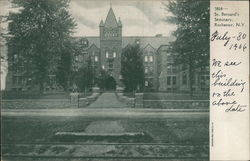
point(192, 34)
point(132, 68)
point(40, 39)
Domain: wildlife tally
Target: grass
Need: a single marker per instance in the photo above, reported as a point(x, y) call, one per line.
point(43, 129)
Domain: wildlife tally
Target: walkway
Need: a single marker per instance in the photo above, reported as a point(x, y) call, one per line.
point(107, 100)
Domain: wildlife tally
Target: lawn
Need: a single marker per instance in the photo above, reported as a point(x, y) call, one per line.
point(179, 138)
point(43, 129)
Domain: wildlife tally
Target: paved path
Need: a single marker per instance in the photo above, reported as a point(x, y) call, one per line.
point(107, 100)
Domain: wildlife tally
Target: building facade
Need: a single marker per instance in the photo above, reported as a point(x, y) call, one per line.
point(105, 52)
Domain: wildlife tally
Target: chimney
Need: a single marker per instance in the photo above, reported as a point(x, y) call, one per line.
point(158, 35)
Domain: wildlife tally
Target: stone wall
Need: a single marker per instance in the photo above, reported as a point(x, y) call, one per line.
point(177, 104)
point(35, 103)
point(130, 102)
point(84, 102)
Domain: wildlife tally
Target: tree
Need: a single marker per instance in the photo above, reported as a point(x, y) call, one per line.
point(102, 78)
point(40, 39)
point(192, 34)
point(132, 68)
point(85, 76)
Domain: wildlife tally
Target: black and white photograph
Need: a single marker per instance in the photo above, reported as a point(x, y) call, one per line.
point(113, 80)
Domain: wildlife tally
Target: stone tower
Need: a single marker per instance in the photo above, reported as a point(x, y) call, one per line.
point(111, 45)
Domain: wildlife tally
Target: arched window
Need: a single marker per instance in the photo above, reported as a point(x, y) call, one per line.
point(146, 58)
point(107, 54)
point(96, 58)
point(146, 69)
point(114, 54)
point(151, 59)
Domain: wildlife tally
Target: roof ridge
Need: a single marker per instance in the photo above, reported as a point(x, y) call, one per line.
point(147, 36)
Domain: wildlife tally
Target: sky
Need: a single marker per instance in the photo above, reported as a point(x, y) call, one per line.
point(139, 18)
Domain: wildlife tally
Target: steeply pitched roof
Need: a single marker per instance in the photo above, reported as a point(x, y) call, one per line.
point(155, 42)
point(91, 39)
point(148, 48)
point(110, 20)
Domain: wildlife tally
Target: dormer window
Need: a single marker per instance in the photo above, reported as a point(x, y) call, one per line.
point(84, 42)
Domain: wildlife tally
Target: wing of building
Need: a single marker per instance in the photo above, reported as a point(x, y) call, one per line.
point(105, 52)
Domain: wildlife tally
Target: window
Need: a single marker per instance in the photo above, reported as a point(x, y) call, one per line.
point(174, 80)
point(168, 80)
point(114, 54)
point(15, 57)
point(107, 54)
point(202, 80)
point(151, 58)
point(96, 58)
point(146, 83)
point(77, 58)
point(146, 58)
point(146, 69)
point(151, 69)
point(103, 67)
point(174, 69)
point(137, 42)
point(110, 65)
point(184, 79)
point(168, 68)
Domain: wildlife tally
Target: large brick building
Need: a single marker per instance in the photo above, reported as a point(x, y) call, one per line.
point(105, 52)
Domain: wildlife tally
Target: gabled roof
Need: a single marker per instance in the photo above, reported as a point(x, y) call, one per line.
point(110, 20)
point(93, 47)
point(91, 39)
point(155, 42)
point(148, 47)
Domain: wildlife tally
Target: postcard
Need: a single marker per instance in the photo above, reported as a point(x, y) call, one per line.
point(124, 80)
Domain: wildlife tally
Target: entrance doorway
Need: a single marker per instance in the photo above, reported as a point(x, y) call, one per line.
point(110, 84)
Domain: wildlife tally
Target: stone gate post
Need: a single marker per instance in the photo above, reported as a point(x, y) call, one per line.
point(74, 99)
point(138, 100)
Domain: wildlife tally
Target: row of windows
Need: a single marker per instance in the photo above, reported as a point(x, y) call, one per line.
point(110, 66)
point(108, 55)
point(148, 58)
point(171, 68)
point(171, 80)
point(148, 83)
point(110, 34)
point(148, 69)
